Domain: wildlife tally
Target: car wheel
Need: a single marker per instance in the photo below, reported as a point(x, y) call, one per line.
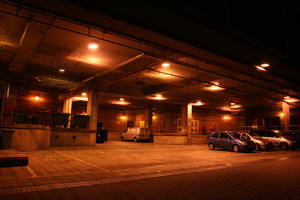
point(257, 147)
point(284, 146)
point(236, 148)
point(270, 146)
point(211, 146)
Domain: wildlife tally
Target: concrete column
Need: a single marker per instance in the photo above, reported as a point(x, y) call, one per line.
point(285, 119)
point(148, 119)
point(92, 109)
point(68, 109)
point(186, 113)
point(67, 106)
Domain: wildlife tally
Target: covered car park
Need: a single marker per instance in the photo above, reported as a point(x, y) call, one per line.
point(121, 75)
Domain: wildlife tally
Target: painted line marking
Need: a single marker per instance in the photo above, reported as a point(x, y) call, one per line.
point(31, 172)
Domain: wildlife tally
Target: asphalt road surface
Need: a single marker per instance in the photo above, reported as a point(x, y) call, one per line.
point(274, 178)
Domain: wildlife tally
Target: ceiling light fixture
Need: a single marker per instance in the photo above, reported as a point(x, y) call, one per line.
point(158, 97)
point(265, 65)
point(259, 68)
point(36, 98)
point(165, 65)
point(226, 117)
point(198, 103)
point(290, 99)
point(84, 94)
point(215, 87)
point(61, 70)
point(93, 46)
point(121, 99)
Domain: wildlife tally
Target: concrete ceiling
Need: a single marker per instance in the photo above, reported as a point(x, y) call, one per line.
point(35, 46)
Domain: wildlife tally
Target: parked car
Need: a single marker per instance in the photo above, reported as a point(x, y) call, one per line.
point(272, 139)
point(136, 134)
point(230, 141)
point(259, 144)
point(293, 135)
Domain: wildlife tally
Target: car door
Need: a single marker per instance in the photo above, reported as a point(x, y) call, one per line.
point(272, 137)
point(214, 138)
point(225, 141)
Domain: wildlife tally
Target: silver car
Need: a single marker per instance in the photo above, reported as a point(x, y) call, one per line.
point(136, 134)
point(259, 144)
point(272, 139)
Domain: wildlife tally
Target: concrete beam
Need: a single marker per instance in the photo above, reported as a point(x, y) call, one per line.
point(29, 41)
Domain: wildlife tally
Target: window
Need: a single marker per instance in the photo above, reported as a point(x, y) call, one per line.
point(224, 135)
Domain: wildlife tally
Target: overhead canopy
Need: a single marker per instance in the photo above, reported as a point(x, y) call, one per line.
point(46, 52)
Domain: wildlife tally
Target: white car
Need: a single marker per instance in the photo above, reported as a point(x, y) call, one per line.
point(272, 139)
point(136, 134)
point(259, 144)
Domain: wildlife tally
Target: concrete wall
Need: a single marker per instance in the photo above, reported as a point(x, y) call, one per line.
point(170, 139)
point(27, 137)
point(72, 137)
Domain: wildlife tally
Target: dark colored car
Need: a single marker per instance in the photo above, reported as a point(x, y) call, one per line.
point(230, 141)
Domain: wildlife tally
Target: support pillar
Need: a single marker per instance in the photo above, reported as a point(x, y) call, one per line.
point(148, 119)
point(67, 106)
point(285, 119)
point(186, 117)
point(92, 109)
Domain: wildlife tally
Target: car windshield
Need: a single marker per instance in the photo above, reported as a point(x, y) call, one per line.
point(264, 133)
point(253, 134)
point(239, 136)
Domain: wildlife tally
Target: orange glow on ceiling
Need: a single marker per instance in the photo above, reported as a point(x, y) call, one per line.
point(226, 117)
point(157, 97)
point(214, 87)
point(79, 98)
point(290, 99)
point(121, 102)
point(123, 117)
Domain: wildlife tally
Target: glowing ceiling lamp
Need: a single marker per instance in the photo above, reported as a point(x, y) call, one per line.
point(36, 98)
point(259, 68)
point(198, 103)
point(290, 99)
point(165, 65)
point(93, 46)
point(61, 70)
point(262, 67)
point(265, 65)
point(123, 117)
point(214, 87)
point(226, 117)
point(84, 94)
point(281, 114)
